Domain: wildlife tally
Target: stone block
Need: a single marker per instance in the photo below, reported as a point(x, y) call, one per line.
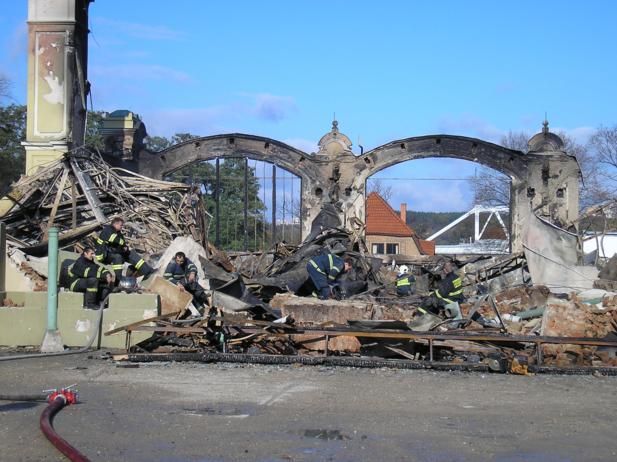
point(312, 311)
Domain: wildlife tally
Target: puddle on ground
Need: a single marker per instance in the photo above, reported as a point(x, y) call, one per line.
point(19, 406)
point(324, 434)
point(240, 412)
point(533, 457)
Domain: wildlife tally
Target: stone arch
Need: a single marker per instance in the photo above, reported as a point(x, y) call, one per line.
point(157, 165)
point(543, 181)
point(504, 160)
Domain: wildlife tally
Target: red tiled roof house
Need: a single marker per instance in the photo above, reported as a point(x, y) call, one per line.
point(387, 233)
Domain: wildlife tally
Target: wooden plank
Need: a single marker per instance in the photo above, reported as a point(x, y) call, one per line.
point(139, 323)
point(54, 209)
point(73, 203)
point(88, 188)
point(173, 300)
point(401, 352)
point(178, 330)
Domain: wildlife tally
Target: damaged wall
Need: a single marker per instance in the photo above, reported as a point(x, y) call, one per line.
point(544, 181)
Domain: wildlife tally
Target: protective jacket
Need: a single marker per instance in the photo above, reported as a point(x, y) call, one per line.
point(329, 265)
point(450, 289)
point(175, 272)
point(109, 240)
point(83, 275)
point(111, 249)
point(404, 284)
point(323, 271)
point(85, 269)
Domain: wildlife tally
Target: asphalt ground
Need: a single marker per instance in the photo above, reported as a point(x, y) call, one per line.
point(175, 412)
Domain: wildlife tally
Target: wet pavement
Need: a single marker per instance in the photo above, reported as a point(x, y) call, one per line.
point(172, 412)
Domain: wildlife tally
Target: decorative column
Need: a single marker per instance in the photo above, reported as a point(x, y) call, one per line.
point(57, 72)
point(553, 178)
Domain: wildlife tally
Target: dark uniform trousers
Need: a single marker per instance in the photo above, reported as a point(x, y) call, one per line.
point(404, 285)
point(450, 290)
point(180, 273)
point(90, 279)
point(111, 250)
point(323, 271)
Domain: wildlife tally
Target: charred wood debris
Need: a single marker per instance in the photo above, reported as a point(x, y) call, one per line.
point(259, 304)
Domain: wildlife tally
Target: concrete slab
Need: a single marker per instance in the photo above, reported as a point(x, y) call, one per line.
point(26, 325)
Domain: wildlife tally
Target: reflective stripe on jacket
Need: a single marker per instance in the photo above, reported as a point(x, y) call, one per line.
point(83, 269)
point(404, 280)
point(451, 289)
point(111, 238)
point(175, 272)
point(329, 265)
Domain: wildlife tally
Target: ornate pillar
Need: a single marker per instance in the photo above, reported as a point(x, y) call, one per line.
point(553, 179)
point(57, 71)
point(338, 183)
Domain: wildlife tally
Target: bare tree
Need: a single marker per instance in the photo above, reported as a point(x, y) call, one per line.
point(380, 188)
point(599, 166)
point(491, 187)
point(516, 141)
point(4, 86)
point(604, 145)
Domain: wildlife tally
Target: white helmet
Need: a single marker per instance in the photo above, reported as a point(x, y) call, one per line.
point(403, 269)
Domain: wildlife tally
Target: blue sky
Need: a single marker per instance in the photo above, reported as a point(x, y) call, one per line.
point(389, 70)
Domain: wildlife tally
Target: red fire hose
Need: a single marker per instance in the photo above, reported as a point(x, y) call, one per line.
point(57, 400)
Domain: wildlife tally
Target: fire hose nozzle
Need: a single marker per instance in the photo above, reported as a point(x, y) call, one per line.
point(69, 394)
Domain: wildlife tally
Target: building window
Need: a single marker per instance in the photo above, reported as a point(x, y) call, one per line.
point(391, 249)
point(378, 249)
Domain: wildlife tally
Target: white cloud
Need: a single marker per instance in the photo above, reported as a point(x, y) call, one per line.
point(580, 134)
point(273, 108)
point(198, 121)
point(137, 30)
point(472, 126)
point(302, 144)
point(140, 72)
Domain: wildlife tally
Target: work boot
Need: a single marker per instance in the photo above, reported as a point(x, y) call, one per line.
point(90, 298)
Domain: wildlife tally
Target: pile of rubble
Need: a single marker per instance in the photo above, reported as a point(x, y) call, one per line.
point(80, 192)
point(262, 303)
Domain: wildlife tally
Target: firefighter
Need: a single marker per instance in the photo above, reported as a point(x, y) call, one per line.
point(404, 282)
point(448, 295)
point(183, 272)
point(446, 299)
point(111, 248)
point(324, 270)
point(84, 275)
